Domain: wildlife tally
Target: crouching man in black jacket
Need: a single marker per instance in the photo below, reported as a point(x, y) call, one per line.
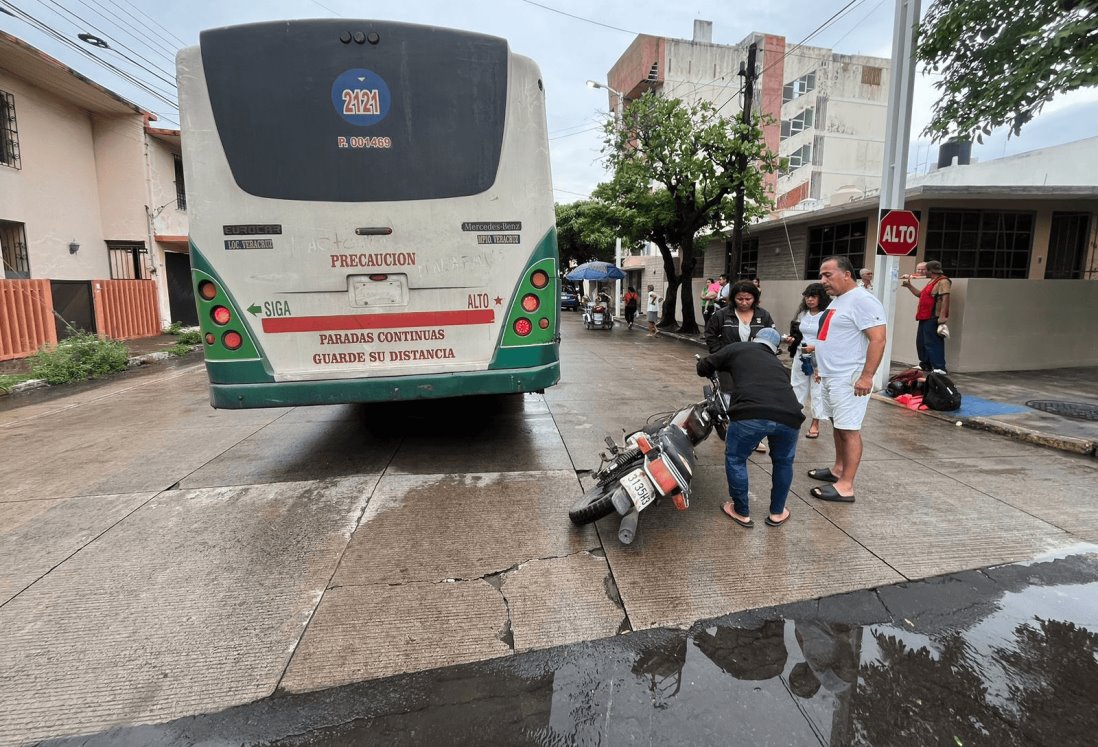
point(763, 406)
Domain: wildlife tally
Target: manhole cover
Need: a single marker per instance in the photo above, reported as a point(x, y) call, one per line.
point(1078, 410)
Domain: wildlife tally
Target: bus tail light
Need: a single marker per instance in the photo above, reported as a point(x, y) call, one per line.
point(543, 323)
point(210, 339)
point(523, 327)
point(530, 303)
point(207, 290)
point(221, 315)
point(232, 340)
point(539, 279)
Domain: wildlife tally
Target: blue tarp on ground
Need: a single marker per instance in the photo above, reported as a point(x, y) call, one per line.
point(978, 407)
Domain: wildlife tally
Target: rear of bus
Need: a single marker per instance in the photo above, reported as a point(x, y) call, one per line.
point(370, 211)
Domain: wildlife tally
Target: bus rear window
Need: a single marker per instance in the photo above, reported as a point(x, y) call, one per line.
point(410, 113)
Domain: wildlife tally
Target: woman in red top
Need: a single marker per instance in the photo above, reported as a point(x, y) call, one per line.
point(630, 299)
point(931, 314)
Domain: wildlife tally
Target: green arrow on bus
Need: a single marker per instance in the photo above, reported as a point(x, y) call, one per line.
point(254, 309)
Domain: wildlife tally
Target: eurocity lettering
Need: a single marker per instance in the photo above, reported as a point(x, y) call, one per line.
point(380, 259)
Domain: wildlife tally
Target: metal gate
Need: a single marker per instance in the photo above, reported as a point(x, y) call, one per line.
point(180, 291)
point(72, 302)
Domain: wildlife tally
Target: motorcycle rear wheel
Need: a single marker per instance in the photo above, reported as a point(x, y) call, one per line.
point(593, 505)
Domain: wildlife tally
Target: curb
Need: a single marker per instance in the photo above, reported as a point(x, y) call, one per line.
point(134, 362)
point(1069, 444)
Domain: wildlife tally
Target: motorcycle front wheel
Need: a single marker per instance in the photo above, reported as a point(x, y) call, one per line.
point(593, 505)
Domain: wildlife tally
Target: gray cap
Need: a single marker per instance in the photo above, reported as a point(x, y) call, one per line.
point(769, 336)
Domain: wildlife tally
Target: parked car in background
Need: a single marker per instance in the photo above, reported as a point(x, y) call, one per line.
point(569, 300)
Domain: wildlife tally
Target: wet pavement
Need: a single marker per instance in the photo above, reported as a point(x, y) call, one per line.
point(160, 559)
point(1006, 655)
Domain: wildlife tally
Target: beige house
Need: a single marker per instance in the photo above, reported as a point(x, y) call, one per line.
point(90, 195)
point(1018, 236)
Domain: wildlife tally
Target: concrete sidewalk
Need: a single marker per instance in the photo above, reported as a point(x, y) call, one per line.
point(996, 402)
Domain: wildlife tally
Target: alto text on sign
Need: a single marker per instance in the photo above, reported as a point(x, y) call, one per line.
point(897, 233)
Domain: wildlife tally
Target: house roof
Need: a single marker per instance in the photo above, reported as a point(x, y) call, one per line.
point(36, 67)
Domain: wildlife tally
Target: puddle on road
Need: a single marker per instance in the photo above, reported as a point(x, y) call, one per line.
point(1022, 671)
point(1003, 656)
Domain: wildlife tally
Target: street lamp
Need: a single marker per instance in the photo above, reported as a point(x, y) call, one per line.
point(620, 100)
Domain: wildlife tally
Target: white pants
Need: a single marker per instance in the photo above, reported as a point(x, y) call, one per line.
point(805, 385)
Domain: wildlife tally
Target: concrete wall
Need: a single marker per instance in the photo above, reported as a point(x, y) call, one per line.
point(120, 169)
point(167, 218)
point(56, 192)
point(995, 325)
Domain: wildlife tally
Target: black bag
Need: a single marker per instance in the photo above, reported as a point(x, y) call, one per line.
point(941, 393)
point(905, 382)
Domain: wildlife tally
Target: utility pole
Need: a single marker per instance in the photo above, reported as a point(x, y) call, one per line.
point(748, 74)
point(894, 172)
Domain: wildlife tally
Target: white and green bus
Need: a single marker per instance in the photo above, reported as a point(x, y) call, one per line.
point(371, 213)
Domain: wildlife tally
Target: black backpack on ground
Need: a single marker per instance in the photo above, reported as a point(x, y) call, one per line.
point(940, 393)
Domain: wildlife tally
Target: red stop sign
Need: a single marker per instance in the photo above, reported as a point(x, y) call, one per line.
point(898, 232)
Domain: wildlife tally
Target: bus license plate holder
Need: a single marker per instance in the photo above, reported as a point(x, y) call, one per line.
point(639, 488)
point(378, 290)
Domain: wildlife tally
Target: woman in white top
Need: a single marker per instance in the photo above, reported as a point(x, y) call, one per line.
point(814, 301)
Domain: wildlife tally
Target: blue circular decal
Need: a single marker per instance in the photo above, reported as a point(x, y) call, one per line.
point(361, 97)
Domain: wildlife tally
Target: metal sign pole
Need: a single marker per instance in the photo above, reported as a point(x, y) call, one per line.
point(894, 170)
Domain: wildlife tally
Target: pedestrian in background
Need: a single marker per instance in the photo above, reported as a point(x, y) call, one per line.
point(630, 299)
point(762, 406)
point(931, 314)
point(802, 375)
point(722, 294)
point(850, 344)
point(653, 310)
point(709, 295)
point(865, 278)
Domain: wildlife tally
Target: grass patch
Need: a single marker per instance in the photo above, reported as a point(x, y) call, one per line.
point(82, 356)
point(7, 381)
point(190, 337)
point(179, 349)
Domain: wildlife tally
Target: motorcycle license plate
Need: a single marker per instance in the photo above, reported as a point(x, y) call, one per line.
point(639, 488)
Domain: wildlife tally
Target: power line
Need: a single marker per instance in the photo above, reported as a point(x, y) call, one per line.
point(585, 123)
point(133, 31)
point(158, 25)
point(823, 26)
point(581, 18)
point(81, 49)
point(157, 73)
point(589, 129)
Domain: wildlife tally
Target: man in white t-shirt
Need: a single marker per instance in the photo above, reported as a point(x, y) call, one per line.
point(850, 345)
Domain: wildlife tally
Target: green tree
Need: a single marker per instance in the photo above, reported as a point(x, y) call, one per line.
point(581, 235)
point(1002, 60)
point(675, 172)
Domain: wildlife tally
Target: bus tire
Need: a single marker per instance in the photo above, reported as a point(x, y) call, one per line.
point(593, 505)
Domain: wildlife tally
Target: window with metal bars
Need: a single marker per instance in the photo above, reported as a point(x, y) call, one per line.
point(980, 243)
point(13, 247)
point(9, 133)
point(835, 240)
point(180, 187)
point(127, 259)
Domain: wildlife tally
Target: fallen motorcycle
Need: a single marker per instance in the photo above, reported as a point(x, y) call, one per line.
point(654, 462)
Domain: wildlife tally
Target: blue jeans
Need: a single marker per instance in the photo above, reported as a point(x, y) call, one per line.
point(929, 345)
point(743, 436)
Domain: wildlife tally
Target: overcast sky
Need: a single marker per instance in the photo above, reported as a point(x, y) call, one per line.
point(571, 40)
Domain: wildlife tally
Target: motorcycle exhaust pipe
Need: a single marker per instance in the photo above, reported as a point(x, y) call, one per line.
point(627, 530)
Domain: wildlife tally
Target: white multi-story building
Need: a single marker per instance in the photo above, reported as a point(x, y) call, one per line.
point(826, 111)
